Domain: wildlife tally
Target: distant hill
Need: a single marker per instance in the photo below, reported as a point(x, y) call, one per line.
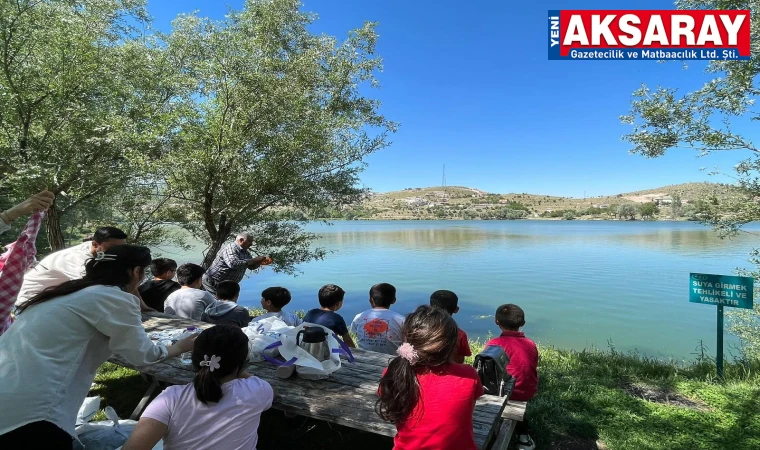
point(461, 202)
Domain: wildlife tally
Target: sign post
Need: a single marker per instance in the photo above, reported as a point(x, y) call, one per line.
point(721, 290)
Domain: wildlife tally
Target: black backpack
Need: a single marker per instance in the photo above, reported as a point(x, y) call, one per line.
point(491, 365)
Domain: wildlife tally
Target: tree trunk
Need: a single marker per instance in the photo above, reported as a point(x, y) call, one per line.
point(211, 254)
point(216, 244)
point(54, 233)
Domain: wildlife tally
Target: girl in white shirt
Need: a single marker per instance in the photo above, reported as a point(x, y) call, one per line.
point(49, 356)
point(221, 409)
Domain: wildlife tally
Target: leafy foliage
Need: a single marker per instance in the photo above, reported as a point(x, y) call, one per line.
point(648, 210)
point(274, 118)
point(216, 127)
point(626, 211)
point(78, 100)
point(702, 120)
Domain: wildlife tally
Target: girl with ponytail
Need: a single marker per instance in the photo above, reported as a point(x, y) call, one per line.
point(221, 409)
point(49, 356)
point(427, 395)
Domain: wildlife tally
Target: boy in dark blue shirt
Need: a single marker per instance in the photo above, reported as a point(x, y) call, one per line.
point(330, 300)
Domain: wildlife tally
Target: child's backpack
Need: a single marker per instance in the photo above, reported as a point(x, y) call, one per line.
point(491, 365)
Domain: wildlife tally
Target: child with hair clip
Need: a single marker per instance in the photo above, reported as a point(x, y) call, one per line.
point(220, 409)
point(423, 392)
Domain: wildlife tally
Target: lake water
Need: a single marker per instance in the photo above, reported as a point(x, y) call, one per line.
point(582, 284)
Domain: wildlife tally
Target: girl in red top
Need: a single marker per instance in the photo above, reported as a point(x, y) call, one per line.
point(430, 398)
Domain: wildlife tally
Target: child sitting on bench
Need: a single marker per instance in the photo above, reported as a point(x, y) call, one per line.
point(220, 409)
point(523, 362)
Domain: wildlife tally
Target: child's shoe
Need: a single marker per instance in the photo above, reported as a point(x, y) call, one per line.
point(525, 442)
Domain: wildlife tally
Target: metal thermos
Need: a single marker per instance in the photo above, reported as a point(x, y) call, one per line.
point(314, 342)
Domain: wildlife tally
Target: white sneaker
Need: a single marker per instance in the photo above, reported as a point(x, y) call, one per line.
point(525, 442)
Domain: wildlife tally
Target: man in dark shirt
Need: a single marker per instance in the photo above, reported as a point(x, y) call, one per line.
point(155, 291)
point(231, 263)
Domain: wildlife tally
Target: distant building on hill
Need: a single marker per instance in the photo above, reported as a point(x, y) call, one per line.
point(663, 200)
point(416, 202)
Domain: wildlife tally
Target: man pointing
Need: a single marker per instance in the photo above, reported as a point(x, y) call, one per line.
point(231, 263)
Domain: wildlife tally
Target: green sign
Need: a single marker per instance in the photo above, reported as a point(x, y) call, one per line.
point(721, 290)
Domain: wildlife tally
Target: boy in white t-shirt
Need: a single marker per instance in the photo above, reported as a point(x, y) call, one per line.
point(221, 409)
point(273, 299)
point(379, 329)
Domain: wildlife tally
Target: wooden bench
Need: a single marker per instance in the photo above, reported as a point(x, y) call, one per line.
point(347, 397)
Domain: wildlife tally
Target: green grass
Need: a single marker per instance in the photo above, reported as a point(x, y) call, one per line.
point(583, 399)
point(256, 312)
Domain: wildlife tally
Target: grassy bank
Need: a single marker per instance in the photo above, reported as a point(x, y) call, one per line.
point(586, 400)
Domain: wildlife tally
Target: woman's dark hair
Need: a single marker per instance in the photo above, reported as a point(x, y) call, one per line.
point(113, 270)
point(230, 345)
point(279, 296)
point(433, 334)
point(189, 273)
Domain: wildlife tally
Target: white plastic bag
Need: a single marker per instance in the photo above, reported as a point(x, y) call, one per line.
point(308, 366)
point(89, 408)
point(167, 337)
point(261, 334)
point(106, 435)
point(270, 326)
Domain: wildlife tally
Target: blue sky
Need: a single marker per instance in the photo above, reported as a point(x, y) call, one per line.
point(472, 88)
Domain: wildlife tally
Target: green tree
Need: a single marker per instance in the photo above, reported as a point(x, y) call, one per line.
point(78, 98)
point(568, 215)
point(648, 210)
point(676, 207)
point(626, 211)
point(276, 117)
point(701, 120)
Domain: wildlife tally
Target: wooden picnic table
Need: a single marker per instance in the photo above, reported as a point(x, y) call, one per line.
point(347, 397)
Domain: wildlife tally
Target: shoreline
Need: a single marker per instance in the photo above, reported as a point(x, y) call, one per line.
point(550, 219)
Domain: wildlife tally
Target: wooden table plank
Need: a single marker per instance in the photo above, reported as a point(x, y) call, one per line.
point(514, 410)
point(506, 430)
point(347, 397)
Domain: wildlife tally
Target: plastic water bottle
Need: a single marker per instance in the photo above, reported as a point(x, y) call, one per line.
point(187, 357)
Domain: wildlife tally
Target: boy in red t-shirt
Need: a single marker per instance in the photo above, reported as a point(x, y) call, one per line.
point(523, 361)
point(448, 301)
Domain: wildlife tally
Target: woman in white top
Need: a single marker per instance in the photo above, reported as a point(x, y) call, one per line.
point(221, 409)
point(49, 356)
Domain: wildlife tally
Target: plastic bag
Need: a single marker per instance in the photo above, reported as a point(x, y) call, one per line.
point(271, 326)
point(261, 334)
point(167, 337)
point(106, 435)
point(308, 366)
point(89, 408)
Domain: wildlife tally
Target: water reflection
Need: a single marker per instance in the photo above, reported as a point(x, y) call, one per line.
point(663, 239)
